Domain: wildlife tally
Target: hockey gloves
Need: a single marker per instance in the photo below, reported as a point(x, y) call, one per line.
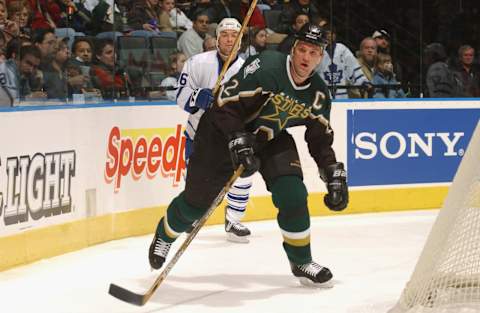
point(240, 145)
point(335, 178)
point(202, 98)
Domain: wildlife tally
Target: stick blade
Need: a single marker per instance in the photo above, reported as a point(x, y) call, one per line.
point(126, 295)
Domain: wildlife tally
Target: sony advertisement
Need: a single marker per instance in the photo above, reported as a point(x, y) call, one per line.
point(407, 146)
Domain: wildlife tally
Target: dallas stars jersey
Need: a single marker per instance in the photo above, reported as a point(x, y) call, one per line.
point(263, 98)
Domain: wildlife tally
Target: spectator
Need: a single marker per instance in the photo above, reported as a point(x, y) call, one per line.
point(74, 15)
point(210, 43)
point(257, 19)
point(384, 76)
point(14, 45)
point(440, 80)
point(178, 19)
point(177, 60)
point(367, 56)
point(467, 72)
point(291, 10)
point(216, 10)
point(19, 12)
point(82, 53)
point(339, 67)
point(286, 45)
point(383, 40)
point(112, 82)
point(257, 37)
point(146, 15)
point(45, 14)
point(21, 72)
point(273, 4)
point(46, 41)
point(191, 41)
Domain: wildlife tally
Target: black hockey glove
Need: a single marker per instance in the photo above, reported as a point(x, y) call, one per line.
point(335, 177)
point(241, 151)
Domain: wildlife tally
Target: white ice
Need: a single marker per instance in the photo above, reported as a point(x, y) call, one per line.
point(371, 256)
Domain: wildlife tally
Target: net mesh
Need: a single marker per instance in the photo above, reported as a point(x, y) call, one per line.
point(446, 278)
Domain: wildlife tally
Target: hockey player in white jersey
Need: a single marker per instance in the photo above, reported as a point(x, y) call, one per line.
point(194, 95)
point(340, 67)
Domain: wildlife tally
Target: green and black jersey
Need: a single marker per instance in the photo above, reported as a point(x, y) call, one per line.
point(263, 98)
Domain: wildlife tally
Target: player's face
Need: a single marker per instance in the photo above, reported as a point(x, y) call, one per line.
point(226, 41)
point(305, 57)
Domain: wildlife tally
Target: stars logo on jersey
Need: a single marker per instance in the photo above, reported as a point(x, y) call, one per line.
point(285, 109)
point(251, 68)
point(334, 75)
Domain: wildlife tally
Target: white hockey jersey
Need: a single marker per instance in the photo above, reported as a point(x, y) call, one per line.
point(342, 69)
point(201, 71)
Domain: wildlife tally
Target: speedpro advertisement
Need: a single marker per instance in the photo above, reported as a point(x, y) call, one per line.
point(407, 146)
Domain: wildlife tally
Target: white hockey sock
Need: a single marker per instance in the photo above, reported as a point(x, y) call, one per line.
point(237, 199)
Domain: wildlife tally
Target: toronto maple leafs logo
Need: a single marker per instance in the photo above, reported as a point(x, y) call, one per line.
point(251, 68)
point(333, 76)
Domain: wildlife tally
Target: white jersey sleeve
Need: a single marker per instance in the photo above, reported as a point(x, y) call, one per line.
point(200, 71)
point(8, 83)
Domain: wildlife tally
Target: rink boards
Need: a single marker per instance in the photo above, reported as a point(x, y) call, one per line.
point(74, 176)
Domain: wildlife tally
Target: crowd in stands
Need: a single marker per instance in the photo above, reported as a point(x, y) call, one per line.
point(66, 50)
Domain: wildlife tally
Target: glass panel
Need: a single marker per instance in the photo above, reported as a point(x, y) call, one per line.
point(124, 50)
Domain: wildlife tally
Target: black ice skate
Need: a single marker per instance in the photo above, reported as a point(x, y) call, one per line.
point(158, 252)
point(236, 232)
point(312, 274)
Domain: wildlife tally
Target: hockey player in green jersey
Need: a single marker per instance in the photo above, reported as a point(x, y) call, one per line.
point(247, 125)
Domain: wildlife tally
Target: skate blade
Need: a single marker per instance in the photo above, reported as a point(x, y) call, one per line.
point(308, 283)
point(237, 239)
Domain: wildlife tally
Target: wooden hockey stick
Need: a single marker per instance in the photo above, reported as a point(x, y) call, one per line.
point(140, 299)
point(236, 44)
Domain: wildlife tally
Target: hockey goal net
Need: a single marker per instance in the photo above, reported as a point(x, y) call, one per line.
point(446, 278)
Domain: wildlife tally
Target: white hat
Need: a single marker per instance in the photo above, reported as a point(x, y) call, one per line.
point(381, 33)
point(228, 23)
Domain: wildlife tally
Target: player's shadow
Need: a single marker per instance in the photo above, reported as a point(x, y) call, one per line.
point(230, 290)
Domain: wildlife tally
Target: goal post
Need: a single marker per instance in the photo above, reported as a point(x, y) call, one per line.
point(446, 278)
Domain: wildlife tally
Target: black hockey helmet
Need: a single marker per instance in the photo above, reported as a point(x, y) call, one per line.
point(313, 34)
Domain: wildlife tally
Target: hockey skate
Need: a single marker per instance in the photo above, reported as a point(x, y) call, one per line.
point(236, 232)
point(312, 274)
point(158, 252)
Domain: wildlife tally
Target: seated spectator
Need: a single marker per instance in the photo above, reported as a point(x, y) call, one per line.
point(257, 19)
point(339, 67)
point(112, 82)
point(467, 72)
point(82, 53)
point(191, 41)
point(383, 75)
point(45, 14)
point(21, 72)
point(210, 43)
point(216, 10)
point(106, 16)
point(367, 56)
point(45, 40)
point(19, 12)
point(441, 82)
point(178, 19)
point(74, 15)
point(273, 4)
point(146, 15)
point(291, 10)
point(287, 43)
point(255, 42)
point(383, 41)
point(177, 60)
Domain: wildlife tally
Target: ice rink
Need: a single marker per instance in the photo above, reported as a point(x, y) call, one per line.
point(371, 257)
